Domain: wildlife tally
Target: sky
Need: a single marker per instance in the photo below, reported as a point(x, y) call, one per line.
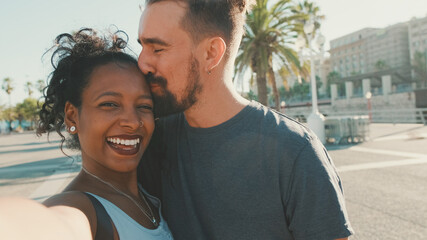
point(28, 28)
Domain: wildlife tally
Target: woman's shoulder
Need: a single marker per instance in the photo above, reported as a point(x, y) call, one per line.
point(75, 199)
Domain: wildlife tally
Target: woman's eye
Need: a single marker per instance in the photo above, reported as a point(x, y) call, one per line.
point(145, 108)
point(108, 104)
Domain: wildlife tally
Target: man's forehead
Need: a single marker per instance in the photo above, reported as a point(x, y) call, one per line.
point(161, 15)
point(158, 21)
point(165, 9)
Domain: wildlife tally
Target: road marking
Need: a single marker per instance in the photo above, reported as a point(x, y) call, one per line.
point(389, 152)
point(376, 165)
point(407, 136)
point(414, 158)
point(56, 182)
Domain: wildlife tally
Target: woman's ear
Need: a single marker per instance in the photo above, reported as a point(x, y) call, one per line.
point(71, 117)
point(214, 52)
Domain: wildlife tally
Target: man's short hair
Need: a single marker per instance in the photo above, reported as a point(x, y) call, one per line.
point(208, 18)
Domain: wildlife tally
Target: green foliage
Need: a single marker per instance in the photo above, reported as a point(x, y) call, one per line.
point(29, 88)
point(40, 85)
point(334, 78)
point(251, 96)
point(271, 30)
point(8, 114)
point(381, 65)
point(420, 68)
point(310, 10)
point(301, 90)
point(27, 109)
point(7, 86)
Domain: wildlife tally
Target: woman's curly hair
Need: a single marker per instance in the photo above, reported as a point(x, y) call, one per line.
point(74, 58)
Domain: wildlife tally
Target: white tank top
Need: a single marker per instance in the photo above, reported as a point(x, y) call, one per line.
point(129, 229)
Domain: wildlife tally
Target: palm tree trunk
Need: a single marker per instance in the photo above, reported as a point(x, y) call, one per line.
point(261, 82)
point(274, 86)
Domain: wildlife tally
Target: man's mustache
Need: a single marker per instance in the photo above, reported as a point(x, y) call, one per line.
point(151, 79)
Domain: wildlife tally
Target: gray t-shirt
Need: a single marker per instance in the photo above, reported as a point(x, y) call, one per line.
point(260, 175)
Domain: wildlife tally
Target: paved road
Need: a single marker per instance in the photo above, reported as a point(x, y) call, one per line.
point(385, 179)
point(385, 182)
point(34, 168)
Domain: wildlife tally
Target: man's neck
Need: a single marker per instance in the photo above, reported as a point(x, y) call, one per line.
point(215, 105)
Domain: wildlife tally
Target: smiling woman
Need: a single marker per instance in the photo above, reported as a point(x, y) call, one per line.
point(99, 95)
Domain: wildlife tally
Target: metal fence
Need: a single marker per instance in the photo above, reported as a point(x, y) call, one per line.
point(415, 115)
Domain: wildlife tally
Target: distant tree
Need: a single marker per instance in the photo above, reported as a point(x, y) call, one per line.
point(271, 29)
point(40, 85)
point(27, 110)
point(29, 88)
point(7, 86)
point(301, 90)
point(381, 65)
point(252, 96)
point(420, 68)
point(312, 11)
point(334, 78)
point(9, 115)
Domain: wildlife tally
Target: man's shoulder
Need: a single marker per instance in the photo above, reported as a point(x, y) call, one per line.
point(281, 124)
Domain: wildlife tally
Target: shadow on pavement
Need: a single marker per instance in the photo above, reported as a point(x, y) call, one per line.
point(30, 150)
point(37, 169)
point(31, 181)
point(29, 144)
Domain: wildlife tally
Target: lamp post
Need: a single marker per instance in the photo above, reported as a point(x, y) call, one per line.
point(282, 106)
point(368, 97)
point(315, 121)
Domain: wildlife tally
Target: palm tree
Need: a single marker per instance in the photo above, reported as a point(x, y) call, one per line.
point(271, 29)
point(8, 88)
point(29, 88)
point(40, 85)
point(312, 12)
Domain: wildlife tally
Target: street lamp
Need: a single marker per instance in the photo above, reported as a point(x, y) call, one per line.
point(315, 121)
point(282, 106)
point(368, 97)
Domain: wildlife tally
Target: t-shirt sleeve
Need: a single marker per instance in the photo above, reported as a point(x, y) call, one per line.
point(314, 201)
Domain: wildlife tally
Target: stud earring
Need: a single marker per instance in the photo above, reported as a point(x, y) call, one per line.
point(72, 129)
point(209, 72)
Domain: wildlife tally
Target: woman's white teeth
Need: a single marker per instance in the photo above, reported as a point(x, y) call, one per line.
point(127, 142)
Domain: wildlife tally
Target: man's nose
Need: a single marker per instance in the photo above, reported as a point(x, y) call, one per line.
point(145, 63)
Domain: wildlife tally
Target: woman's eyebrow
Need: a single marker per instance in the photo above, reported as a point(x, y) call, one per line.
point(114, 94)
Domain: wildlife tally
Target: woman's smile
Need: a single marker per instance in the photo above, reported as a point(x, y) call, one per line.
point(125, 144)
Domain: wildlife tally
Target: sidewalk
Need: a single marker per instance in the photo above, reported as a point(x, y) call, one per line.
point(32, 167)
point(385, 182)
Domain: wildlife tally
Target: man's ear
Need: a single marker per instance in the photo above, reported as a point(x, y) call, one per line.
point(71, 116)
point(214, 52)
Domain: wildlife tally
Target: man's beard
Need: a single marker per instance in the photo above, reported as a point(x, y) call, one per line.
point(167, 103)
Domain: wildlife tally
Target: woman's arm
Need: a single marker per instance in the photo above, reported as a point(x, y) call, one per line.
point(26, 219)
